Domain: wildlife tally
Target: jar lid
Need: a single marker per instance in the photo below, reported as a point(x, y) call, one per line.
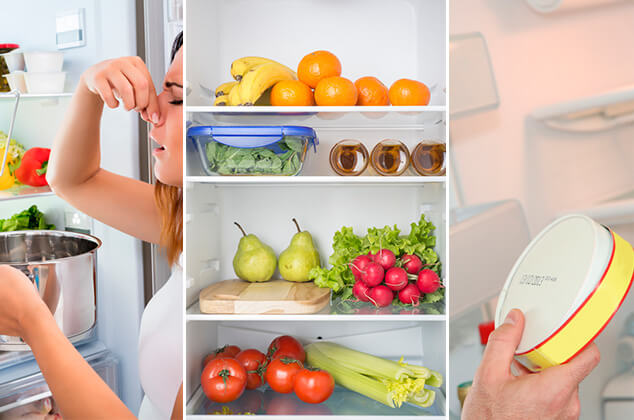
point(11, 46)
point(554, 276)
point(253, 136)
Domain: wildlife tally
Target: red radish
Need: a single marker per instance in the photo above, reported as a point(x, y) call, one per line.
point(386, 258)
point(409, 295)
point(373, 275)
point(359, 264)
point(371, 255)
point(396, 278)
point(428, 281)
point(381, 295)
point(412, 263)
point(360, 291)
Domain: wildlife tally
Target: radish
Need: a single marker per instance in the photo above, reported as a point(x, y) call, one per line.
point(409, 295)
point(396, 278)
point(428, 281)
point(373, 275)
point(380, 295)
point(412, 263)
point(386, 258)
point(360, 291)
point(359, 264)
point(371, 255)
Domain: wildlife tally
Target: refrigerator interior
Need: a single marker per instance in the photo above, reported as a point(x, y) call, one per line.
point(399, 39)
point(119, 261)
point(418, 342)
point(322, 209)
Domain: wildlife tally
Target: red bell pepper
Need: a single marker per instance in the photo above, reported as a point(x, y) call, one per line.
point(32, 169)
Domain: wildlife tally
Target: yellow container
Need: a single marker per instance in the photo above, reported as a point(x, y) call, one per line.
point(569, 282)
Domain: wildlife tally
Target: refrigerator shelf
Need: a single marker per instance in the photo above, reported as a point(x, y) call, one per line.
point(194, 314)
point(342, 403)
point(24, 191)
point(316, 180)
point(37, 96)
point(309, 110)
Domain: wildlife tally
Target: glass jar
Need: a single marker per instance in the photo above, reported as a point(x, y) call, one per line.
point(390, 158)
point(349, 158)
point(4, 69)
point(428, 158)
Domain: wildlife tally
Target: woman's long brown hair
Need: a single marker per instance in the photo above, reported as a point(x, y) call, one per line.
point(169, 200)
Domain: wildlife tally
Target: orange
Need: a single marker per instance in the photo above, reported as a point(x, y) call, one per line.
point(371, 92)
point(292, 93)
point(316, 66)
point(335, 91)
point(409, 92)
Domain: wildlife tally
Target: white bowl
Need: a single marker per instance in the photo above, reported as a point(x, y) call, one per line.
point(44, 61)
point(16, 81)
point(45, 82)
point(14, 60)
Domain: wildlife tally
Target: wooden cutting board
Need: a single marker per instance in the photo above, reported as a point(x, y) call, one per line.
point(271, 297)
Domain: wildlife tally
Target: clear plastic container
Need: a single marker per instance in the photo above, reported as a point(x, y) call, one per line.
point(253, 150)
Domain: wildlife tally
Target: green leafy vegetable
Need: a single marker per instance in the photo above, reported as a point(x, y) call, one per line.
point(30, 219)
point(228, 160)
point(347, 246)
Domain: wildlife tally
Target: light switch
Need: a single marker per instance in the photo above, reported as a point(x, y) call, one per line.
point(70, 29)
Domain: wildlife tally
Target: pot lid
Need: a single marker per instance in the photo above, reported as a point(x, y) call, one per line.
point(554, 275)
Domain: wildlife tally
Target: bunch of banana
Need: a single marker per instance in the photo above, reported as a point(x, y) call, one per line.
point(254, 77)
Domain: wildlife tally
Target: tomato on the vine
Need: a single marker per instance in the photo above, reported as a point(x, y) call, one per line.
point(286, 345)
point(280, 374)
point(223, 379)
point(224, 351)
point(254, 363)
point(313, 386)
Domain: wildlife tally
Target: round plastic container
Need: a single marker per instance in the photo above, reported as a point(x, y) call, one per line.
point(569, 282)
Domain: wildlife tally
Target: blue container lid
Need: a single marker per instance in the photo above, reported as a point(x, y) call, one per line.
point(253, 135)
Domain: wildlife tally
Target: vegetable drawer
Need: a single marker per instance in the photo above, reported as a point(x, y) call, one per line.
point(420, 343)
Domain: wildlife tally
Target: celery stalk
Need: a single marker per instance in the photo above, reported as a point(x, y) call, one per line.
point(348, 378)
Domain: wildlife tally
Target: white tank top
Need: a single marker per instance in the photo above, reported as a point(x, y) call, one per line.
point(161, 348)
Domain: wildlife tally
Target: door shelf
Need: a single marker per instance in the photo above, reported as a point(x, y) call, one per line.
point(309, 110)
point(316, 180)
point(194, 314)
point(342, 403)
point(24, 191)
point(36, 96)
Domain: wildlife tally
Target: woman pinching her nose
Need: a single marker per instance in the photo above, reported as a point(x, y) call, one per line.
point(152, 213)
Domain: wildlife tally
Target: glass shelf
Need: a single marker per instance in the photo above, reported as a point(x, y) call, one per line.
point(25, 191)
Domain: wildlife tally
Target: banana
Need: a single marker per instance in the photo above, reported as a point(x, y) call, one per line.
point(258, 79)
point(225, 88)
point(240, 66)
point(222, 100)
point(234, 96)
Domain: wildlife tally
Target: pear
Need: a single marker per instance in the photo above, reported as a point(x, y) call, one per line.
point(254, 260)
point(299, 258)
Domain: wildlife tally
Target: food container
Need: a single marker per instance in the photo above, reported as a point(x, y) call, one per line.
point(62, 267)
point(253, 150)
point(390, 158)
point(44, 61)
point(4, 68)
point(14, 60)
point(349, 158)
point(16, 81)
point(45, 82)
point(428, 158)
point(569, 282)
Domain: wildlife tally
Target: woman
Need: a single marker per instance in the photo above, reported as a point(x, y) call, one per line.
point(151, 213)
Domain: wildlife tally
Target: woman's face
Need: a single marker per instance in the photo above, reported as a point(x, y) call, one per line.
point(168, 167)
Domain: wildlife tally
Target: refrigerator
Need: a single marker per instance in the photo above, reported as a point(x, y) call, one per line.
point(388, 40)
point(553, 135)
point(128, 271)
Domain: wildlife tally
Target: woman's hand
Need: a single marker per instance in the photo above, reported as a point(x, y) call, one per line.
point(128, 80)
point(551, 394)
point(20, 302)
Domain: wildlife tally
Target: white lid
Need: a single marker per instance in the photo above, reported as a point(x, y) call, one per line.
point(554, 276)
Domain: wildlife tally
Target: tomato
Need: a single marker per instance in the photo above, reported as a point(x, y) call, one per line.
point(313, 386)
point(286, 345)
point(280, 374)
point(224, 351)
point(223, 379)
point(254, 363)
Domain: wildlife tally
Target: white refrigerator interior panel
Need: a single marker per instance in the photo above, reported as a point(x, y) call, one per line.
point(267, 210)
point(410, 34)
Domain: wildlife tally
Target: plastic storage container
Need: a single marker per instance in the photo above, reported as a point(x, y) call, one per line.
point(4, 68)
point(253, 150)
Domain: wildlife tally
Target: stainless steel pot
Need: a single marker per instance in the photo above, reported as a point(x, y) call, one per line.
point(62, 267)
